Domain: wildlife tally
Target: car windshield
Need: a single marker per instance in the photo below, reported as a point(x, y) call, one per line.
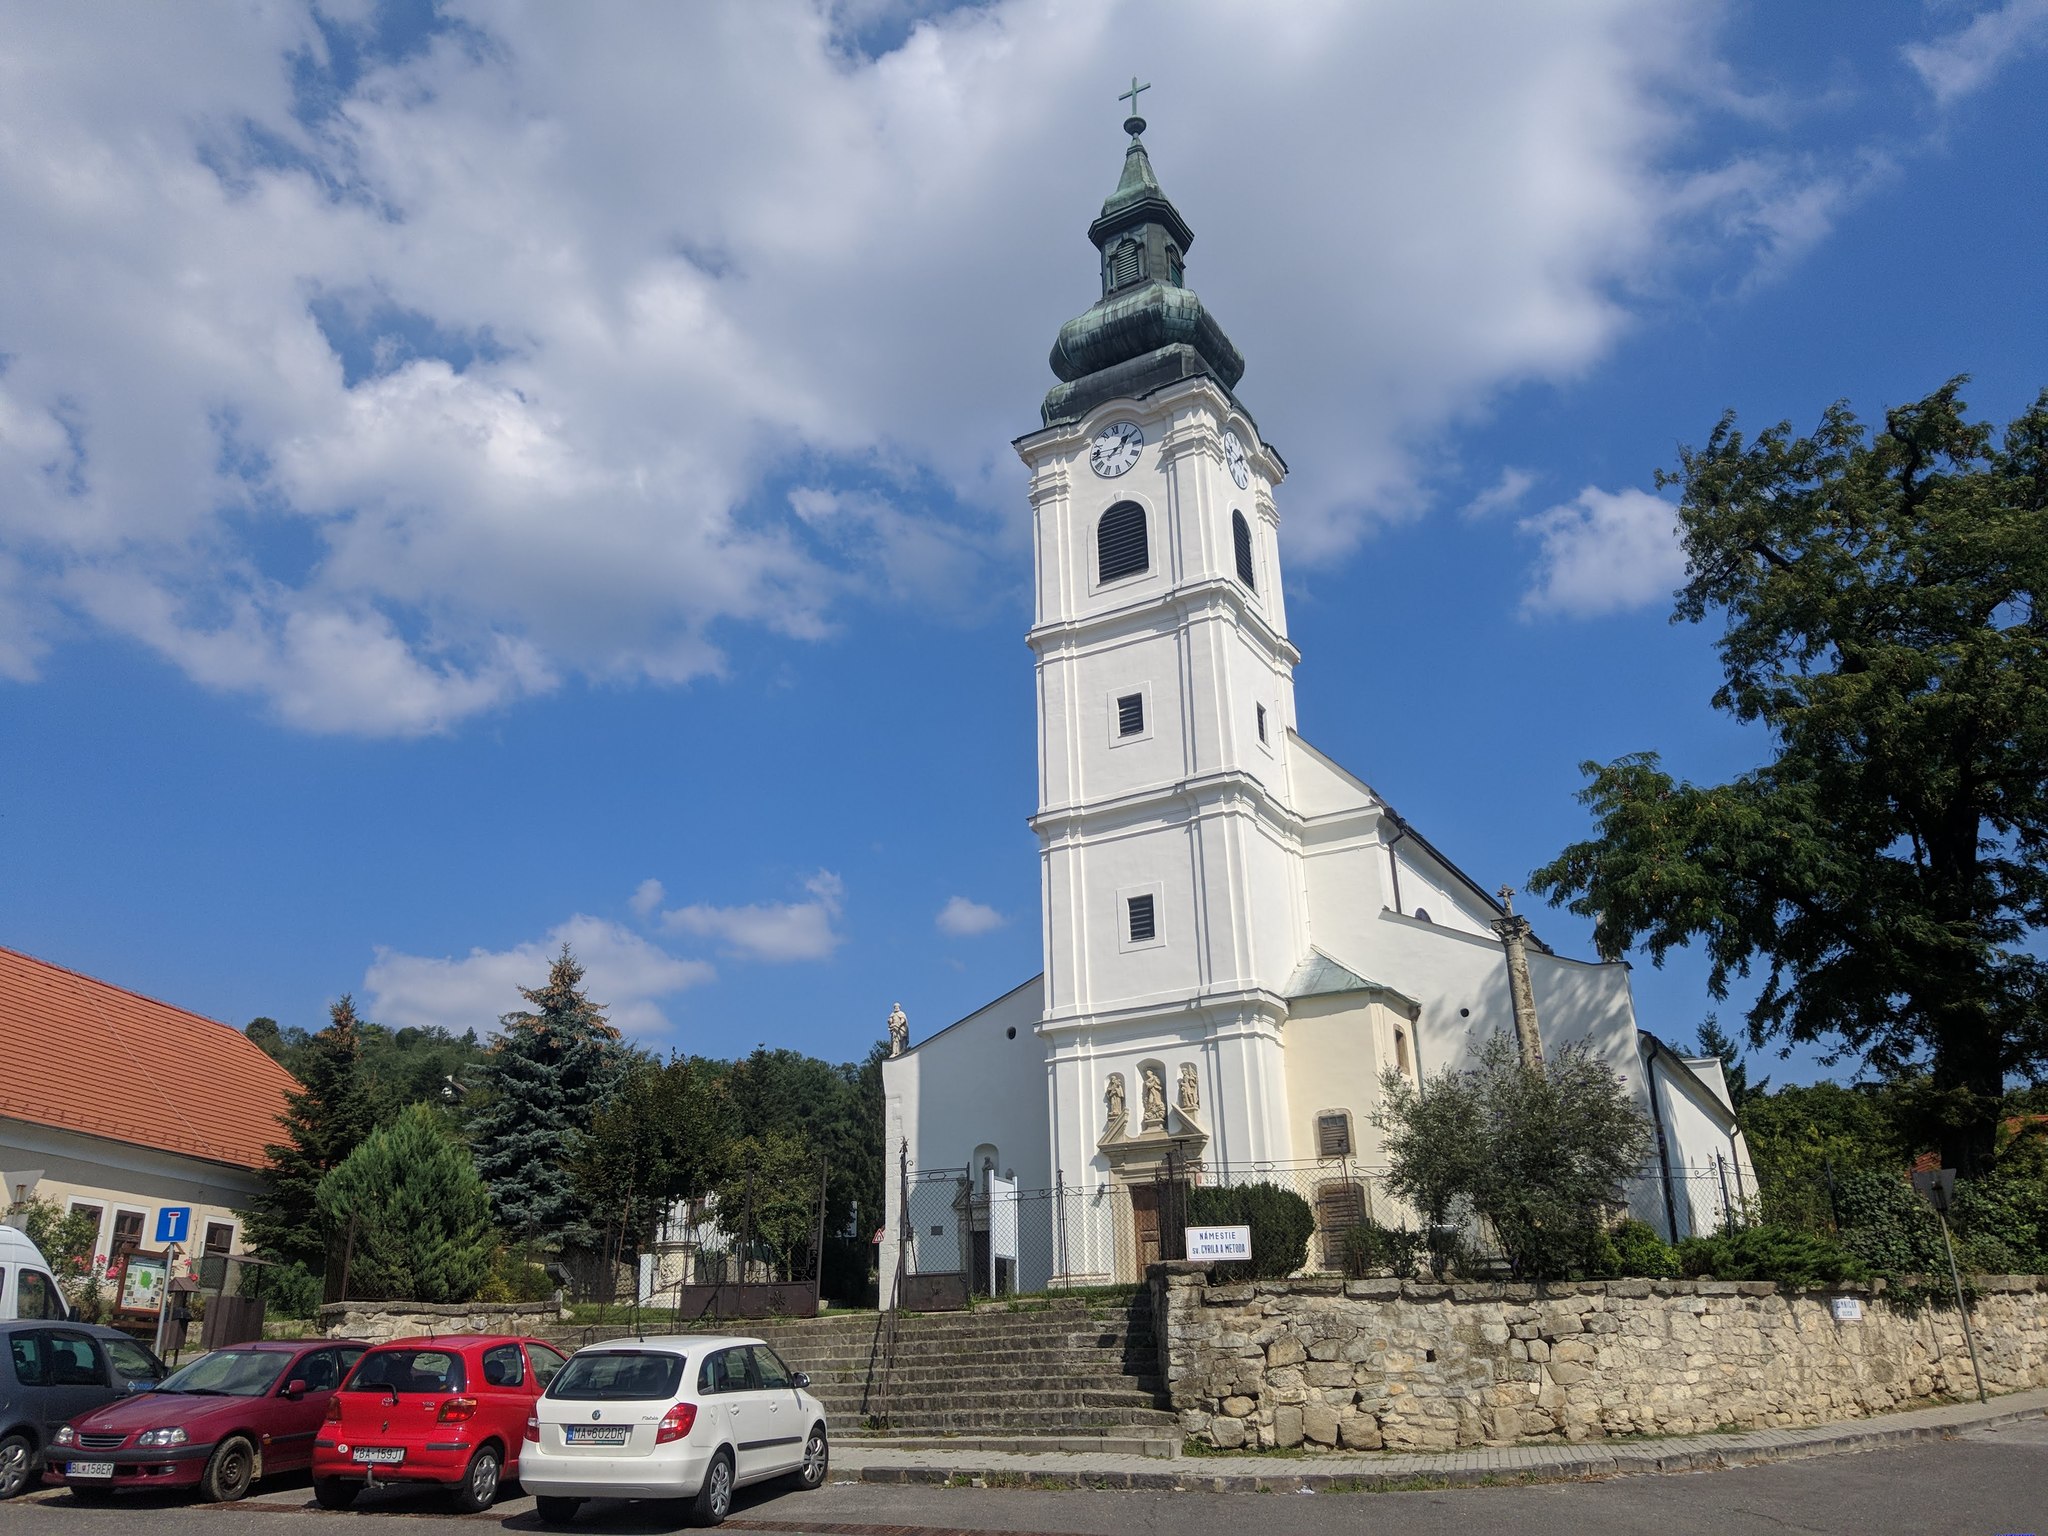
point(229, 1373)
point(612, 1375)
point(408, 1370)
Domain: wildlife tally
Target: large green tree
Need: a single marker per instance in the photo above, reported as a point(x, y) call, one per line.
point(662, 1136)
point(417, 1216)
point(1888, 866)
point(541, 1086)
point(324, 1121)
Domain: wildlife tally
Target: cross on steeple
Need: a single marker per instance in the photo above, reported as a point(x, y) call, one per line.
point(1134, 124)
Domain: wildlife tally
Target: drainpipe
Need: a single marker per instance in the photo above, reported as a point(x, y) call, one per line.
point(1514, 934)
point(1394, 865)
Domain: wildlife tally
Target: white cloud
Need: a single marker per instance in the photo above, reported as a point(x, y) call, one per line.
point(1504, 495)
point(1963, 61)
point(647, 895)
point(1604, 552)
point(775, 931)
point(399, 412)
point(623, 971)
point(963, 918)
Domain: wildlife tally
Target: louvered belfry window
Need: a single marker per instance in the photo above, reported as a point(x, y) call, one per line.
point(1121, 548)
point(1130, 714)
point(1143, 930)
point(1333, 1135)
point(1124, 264)
point(1241, 532)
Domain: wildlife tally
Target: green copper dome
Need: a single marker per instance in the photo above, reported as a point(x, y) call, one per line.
point(1148, 329)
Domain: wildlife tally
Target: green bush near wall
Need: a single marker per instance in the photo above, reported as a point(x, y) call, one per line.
point(1281, 1223)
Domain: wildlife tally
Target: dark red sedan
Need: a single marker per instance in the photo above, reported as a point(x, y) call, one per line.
point(225, 1420)
point(449, 1410)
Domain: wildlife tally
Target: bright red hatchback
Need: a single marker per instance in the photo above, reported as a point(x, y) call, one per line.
point(432, 1410)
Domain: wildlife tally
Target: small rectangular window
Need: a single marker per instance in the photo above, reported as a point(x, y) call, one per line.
point(1262, 721)
point(220, 1239)
point(1142, 928)
point(127, 1231)
point(1130, 714)
point(1333, 1135)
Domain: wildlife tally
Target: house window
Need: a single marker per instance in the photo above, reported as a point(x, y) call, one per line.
point(1241, 535)
point(1130, 714)
point(97, 1213)
point(1333, 1134)
point(1143, 928)
point(127, 1232)
point(220, 1239)
point(1401, 1051)
point(1262, 720)
point(1120, 545)
point(1340, 1209)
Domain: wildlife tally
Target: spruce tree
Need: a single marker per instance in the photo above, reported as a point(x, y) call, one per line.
point(419, 1216)
point(324, 1121)
point(548, 1073)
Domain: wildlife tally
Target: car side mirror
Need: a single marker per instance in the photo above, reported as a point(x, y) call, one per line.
point(295, 1389)
point(802, 1380)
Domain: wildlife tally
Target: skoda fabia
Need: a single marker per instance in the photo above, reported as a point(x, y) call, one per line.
point(687, 1417)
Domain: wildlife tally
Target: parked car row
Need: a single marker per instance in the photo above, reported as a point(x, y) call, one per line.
point(682, 1418)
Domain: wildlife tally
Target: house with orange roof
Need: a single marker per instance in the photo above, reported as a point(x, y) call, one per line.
point(149, 1116)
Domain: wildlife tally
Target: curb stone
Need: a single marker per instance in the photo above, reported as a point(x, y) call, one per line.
point(1481, 1467)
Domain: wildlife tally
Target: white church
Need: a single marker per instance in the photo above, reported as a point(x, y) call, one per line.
point(1241, 936)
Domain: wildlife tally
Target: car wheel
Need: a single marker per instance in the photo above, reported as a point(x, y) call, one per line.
point(335, 1492)
point(17, 1461)
point(817, 1460)
point(229, 1472)
point(714, 1499)
point(479, 1485)
point(556, 1511)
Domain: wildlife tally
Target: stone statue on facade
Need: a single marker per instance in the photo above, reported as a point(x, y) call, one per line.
point(1113, 1096)
point(1190, 1091)
point(1155, 1099)
point(899, 1029)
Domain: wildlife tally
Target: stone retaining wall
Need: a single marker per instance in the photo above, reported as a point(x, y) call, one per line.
point(377, 1321)
point(1372, 1364)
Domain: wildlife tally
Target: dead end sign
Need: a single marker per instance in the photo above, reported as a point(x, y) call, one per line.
point(1219, 1242)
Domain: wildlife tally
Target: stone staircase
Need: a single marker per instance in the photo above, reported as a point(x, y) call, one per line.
point(1033, 1375)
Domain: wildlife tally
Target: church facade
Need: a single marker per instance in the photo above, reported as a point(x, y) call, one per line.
point(1240, 936)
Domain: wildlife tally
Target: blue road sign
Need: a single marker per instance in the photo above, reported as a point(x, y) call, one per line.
point(174, 1224)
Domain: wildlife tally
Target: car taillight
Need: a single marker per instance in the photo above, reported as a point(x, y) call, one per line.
point(334, 1409)
point(533, 1429)
point(675, 1423)
point(458, 1410)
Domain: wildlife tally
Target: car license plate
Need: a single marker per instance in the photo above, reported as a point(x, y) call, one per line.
point(587, 1436)
point(380, 1455)
point(89, 1469)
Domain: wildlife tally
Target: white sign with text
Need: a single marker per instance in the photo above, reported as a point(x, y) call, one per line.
point(1219, 1242)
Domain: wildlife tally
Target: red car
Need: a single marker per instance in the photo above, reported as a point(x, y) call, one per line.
point(447, 1410)
point(225, 1420)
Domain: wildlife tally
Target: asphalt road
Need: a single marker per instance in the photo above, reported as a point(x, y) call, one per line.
point(1988, 1483)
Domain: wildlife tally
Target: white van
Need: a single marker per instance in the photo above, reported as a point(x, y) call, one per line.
point(27, 1287)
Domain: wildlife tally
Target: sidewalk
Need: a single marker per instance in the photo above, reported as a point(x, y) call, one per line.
point(1379, 1471)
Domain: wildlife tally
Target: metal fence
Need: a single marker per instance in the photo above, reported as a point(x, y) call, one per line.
point(1000, 1241)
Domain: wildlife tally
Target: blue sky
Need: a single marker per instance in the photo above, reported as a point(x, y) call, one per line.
point(465, 465)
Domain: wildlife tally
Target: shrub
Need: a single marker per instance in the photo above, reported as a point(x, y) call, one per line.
point(2001, 1224)
point(288, 1290)
point(421, 1215)
point(1370, 1247)
point(1281, 1223)
point(1886, 1225)
point(1797, 1259)
point(1640, 1254)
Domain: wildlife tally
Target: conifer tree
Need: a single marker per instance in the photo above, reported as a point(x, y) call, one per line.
point(418, 1214)
point(325, 1120)
point(546, 1076)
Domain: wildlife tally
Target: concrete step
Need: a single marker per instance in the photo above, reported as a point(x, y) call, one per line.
point(962, 1397)
point(1135, 1441)
point(1038, 1421)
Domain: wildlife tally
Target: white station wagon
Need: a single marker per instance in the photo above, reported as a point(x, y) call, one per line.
point(683, 1417)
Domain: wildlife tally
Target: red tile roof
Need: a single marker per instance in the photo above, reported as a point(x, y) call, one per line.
point(127, 1067)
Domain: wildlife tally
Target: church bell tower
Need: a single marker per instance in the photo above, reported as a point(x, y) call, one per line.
point(1174, 906)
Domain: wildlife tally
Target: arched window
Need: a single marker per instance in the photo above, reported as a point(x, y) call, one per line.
point(1120, 545)
point(1241, 532)
point(1125, 264)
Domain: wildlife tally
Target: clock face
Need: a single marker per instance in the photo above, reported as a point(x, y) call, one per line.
point(1233, 455)
point(1115, 448)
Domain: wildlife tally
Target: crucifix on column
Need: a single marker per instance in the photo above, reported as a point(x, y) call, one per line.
point(1514, 931)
